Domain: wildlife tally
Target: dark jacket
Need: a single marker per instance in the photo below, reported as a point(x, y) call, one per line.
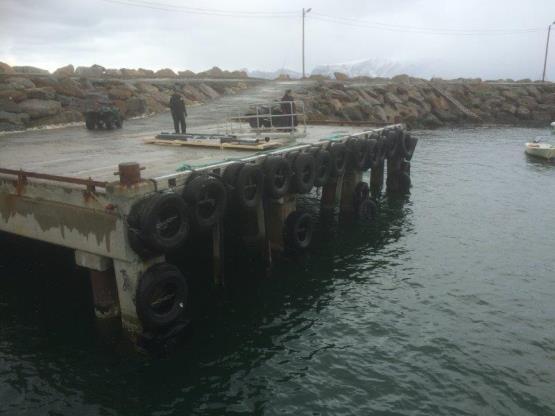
point(177, 105)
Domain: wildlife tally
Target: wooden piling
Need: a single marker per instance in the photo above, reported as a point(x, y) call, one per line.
point(350, 180)
point(377, 179)
point(277, 211)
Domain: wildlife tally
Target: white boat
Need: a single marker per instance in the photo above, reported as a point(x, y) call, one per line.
point(543, 150)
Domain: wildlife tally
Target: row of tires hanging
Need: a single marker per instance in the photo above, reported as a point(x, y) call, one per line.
point(161, 222)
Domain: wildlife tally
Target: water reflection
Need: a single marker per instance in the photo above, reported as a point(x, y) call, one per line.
point(50, 348)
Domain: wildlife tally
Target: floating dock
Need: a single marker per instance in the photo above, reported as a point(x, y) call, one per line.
point(123, 204)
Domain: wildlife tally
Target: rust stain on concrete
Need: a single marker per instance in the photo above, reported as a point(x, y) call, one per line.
point(59, 216)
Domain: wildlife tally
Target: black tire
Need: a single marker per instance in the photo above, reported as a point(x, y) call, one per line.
point(304, 172)
point(164, 222)
point(277, 176)
point(367, 210)
point(158, 224)
point(161, 296)
point(90, 123)
point(356, 154)
point(207, 198)
point(338, 159)
point(362, 193)
point(249, 186)
point(370, 154)
point(119, 123)
point(298, 231)
point(322, 167)
point(230, 175)
point(108, 122)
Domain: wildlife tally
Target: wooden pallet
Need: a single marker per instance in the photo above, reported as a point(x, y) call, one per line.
point(215, 144)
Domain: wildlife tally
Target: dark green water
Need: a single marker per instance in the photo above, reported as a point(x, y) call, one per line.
point(445, 307)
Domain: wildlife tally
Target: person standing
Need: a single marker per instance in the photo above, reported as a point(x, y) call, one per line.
point(179, 112)
point(288, 107)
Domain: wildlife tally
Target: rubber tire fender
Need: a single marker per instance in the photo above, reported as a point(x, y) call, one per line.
point(277, 176)
point(298, 230)
point(338, 159)
point(166, 278)
point(249, 186)
point(322, 162)
point(367, 210)
point(370, 154)
point(207, 198)
point(304, 172)
point(229, 177)
point(356, 153)
point(160, 212)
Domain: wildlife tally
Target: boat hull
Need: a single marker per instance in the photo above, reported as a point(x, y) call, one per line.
point(543, 150)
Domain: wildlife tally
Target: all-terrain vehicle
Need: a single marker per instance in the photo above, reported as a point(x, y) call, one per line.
point(104, 116)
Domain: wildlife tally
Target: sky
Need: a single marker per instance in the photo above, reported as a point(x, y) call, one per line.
point(490, 39)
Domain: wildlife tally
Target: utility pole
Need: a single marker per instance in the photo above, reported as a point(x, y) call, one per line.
point(305, 12)
point(546, 49)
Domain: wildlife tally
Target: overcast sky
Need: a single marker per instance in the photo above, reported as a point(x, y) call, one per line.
point(449, 38)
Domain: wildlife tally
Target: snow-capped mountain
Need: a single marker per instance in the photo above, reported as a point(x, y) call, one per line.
point(372, 68)
point(274, 74)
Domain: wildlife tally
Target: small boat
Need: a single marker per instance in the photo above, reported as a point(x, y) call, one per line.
point(543, 150)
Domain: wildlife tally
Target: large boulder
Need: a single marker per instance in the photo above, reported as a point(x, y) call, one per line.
point(6, 69)
point(186, 74)
point(64, 117)
point(165, 73)
point(120, 92)
point(95, 71)
point(10, 106)
point(209, 91)
point(40, 108)
point(340, 76)
point(214, 72)
point(136, 106)
point(32, 70)
point(13, 118)
point(129, 73)
point(239, 74)
point(65, 71)
point(146, 88)
point(112, 73)
point(43, 93)
point(146, 72)
point(14, 95)
point(17, 83)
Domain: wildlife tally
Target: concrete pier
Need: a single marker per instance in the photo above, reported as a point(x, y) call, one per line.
point(123, 222)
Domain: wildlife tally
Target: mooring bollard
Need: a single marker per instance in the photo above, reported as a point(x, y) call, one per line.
point(129, 173)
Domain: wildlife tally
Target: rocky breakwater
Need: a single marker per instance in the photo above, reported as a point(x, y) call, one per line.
point(30, 97)
point(430, 104)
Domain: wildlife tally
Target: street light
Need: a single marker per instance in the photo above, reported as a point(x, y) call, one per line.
point(305, 12)
point(546, 50)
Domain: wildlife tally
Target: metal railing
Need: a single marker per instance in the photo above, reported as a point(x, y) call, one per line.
point(282, 117)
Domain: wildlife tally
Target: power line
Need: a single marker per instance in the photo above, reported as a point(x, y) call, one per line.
point(418, 30)
point(201, 11)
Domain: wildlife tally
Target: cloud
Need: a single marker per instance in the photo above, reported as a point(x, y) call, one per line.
point(52, 33)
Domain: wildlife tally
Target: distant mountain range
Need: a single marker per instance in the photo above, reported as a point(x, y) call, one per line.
point(369, 67)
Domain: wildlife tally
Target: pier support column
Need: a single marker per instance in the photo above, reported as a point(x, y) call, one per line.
point(218, 253)
point(350, 180)
point(128, 274)
point(377, 179)
point(277, 211)
point(398, 175)
point(331, 194)
point(103, 283)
